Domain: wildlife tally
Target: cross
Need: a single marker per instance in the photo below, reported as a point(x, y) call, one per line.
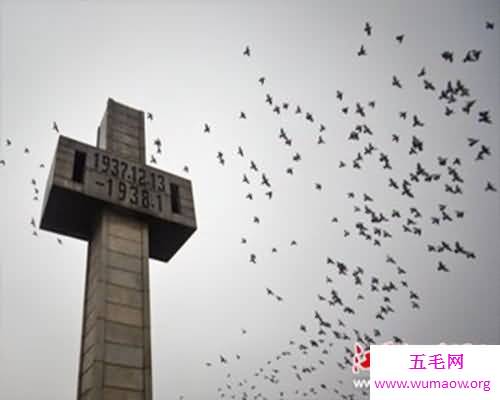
point(128, 212)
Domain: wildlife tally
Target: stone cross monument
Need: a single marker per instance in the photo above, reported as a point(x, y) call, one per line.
point(128, 212)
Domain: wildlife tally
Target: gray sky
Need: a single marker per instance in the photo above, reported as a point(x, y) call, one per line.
point(183, 61)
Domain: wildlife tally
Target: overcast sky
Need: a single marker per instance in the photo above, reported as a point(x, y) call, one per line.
point(183, 61)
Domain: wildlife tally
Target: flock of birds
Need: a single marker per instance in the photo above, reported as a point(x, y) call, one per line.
point(325, 342)
point(325, 338)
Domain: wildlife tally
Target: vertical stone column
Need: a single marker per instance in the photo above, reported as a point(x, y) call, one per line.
point(115, 357)
point(115, 361)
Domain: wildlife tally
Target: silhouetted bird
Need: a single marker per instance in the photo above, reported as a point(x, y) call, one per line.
point(265, 181)
point(489, 187)
point(220, 157)
point(442, 267)
point(472, 56)
point(246, 52)
point(396, 82)
point(368, 29)
point(417, 122)
point(466, 109)
point(484, 116)
point(55, 127)
point(157, 143)
point(428, 85)
point(447, 56)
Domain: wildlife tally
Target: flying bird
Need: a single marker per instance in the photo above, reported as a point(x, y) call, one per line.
point(368, 28)
point(157, 143)
point(447, 56)
point(489, 187)
point(442, 267)
point(428, 85)
point(417, 122)
point(468, 105)
point(220, 157)
point(396, 82)
point(484, 116)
